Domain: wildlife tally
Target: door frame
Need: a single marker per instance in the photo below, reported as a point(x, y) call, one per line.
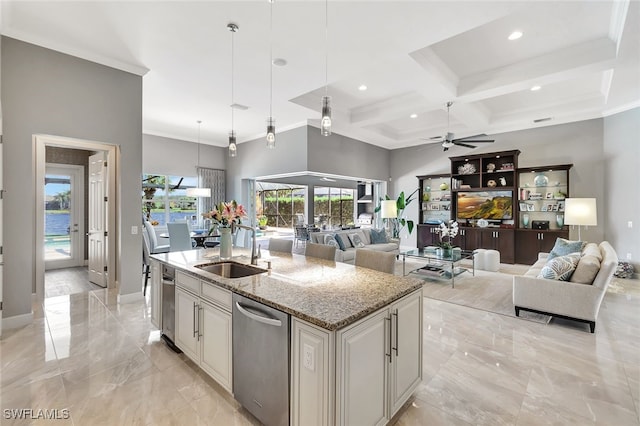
point(77, 213)
point(40, 142)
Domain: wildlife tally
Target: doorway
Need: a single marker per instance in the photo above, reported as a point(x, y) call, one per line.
point(64, 216)
point(110, 202)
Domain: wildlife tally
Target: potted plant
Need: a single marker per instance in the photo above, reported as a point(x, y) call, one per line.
point(262, 222)
point(448, 231)
point(398, 223)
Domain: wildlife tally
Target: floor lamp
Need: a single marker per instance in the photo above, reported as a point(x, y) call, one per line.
point(388, 210)
point(581, 212)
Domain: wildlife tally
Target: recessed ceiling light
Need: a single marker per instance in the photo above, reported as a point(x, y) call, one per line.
point(413, 115)
point(362, 87)
point(535, 88)
point(279, 62)
point(515, 35)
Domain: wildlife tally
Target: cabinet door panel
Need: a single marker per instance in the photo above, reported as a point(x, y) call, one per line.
point(548, 239)
point(505, 243)
point(216, 344)
point(527, 247)
point(155, 293)
point(406, 333)
point(186, 324)
point(362, 373)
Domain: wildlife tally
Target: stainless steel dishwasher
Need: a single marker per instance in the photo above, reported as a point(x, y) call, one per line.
point(261, 360)
point(169, 306)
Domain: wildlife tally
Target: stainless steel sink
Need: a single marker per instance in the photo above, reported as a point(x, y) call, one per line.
point(231, 269)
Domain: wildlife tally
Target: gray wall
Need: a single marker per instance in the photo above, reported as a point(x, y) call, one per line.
point(46, 92)
point(179, 158)
point(622, 174)
point(255, 159)
point(341, 155)
point(581, 144)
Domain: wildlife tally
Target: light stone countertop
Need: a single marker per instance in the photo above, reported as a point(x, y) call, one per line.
point(328, 294)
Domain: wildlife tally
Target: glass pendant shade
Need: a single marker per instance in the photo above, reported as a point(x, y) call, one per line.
point(233, 148)
point(325, 123)
point(271, 133)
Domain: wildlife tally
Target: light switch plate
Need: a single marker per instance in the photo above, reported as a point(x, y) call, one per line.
point(134, 230)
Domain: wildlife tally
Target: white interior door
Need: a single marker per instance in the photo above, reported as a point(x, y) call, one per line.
point(64, 216)
point(98, 232)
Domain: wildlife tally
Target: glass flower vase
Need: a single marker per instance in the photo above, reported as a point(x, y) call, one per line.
point(226, 244)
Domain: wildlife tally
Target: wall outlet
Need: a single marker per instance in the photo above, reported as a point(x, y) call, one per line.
point(134, 230)
point(308, 357)
point(628, 256)
point(630, 224)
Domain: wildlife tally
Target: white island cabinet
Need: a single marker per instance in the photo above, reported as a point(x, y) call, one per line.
point(372, 367)
point(203, 326)
point(155, 292)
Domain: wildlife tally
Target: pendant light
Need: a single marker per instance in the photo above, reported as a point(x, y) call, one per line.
point(199, 192)
point(325, 121)
point(233, 147)
point(271, 122)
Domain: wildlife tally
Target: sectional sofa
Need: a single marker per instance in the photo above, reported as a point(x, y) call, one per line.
point(349, 253)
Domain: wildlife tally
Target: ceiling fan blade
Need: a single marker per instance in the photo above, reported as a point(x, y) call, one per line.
point(474, 140)
point(466, 145)
point(433, 138)
point(429, 141)
point(474, 136)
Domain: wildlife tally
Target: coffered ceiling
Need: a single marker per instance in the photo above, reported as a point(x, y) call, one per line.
point(413, 56)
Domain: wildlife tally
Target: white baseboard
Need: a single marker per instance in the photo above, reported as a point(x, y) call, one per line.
point(130, 298)
point(17, 321)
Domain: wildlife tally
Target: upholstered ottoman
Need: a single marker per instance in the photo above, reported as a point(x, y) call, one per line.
point(478, 258)
point(491, 260)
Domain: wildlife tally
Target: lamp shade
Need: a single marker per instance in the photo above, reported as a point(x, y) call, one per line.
point(580, 211)
point(199, 192)
point(388, 209)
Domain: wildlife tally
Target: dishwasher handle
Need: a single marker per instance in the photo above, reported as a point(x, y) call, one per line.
point(259, 318)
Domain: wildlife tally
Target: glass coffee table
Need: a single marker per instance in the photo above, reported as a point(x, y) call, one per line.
point(437, 266)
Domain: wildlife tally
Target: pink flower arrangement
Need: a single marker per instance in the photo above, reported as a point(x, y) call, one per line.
point(226, 213)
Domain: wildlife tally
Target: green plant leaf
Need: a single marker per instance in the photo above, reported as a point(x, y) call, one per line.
point(410, 226)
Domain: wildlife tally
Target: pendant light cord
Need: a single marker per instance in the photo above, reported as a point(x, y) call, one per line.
point(271, 59)
point(232, 73)
point(326, 46)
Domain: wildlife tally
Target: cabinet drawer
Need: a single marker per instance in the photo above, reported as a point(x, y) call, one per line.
point(217, 295)
point(188, 282)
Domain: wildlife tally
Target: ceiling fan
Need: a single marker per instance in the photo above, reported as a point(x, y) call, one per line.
point(448, 140)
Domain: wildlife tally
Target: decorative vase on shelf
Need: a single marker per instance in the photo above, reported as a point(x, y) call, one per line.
point(525, 220)
point(226, 244)
point(541, 180)
point(560, 220)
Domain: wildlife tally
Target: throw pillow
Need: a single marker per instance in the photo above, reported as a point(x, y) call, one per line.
point(378, 236)
point(560, 268)
point(330, 240)
point(356, 241)
point(340, 242)
point(587, 269)
point(564, 247)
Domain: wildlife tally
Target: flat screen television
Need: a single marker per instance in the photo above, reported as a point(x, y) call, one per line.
point(489, 205)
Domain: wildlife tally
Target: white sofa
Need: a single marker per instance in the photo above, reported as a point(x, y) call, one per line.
point(568, 299)
point(348, 255)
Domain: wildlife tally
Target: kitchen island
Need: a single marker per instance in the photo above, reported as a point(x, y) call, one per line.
point(356, 334)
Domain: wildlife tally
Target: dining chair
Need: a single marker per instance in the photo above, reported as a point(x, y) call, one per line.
point(179, 237)
point(281, 245)
point(146, 262)
point(301, 234)
point(154, 248)
point(383, 261)
point(321, 251)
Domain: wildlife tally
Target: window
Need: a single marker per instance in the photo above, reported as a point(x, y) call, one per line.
point(283, 207)
point(333, 207)
point(164, 198)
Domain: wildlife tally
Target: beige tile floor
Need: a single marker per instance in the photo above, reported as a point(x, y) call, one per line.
point(106, 364)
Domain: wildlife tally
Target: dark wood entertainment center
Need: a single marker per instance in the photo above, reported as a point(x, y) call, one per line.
point(496, 205)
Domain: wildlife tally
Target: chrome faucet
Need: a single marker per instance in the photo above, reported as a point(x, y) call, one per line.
point(254, 253)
